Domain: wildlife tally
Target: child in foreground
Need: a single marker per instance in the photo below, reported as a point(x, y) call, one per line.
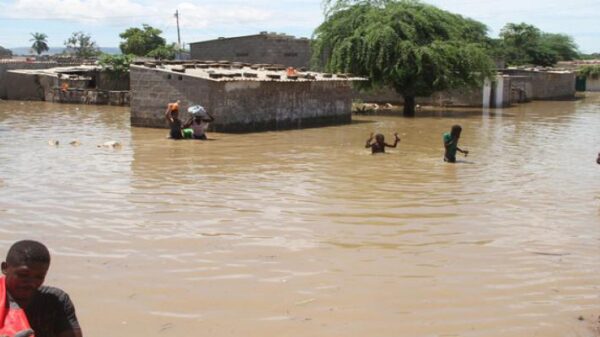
point(451, 144)
point(379, 145)
point(26, 306)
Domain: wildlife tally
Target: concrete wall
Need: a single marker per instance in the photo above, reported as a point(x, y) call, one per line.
point(24, 87)
point(465, 97)
point(105, 81)
point(5, 67)
point(262, 48)
point(152, 90)
point(239, 106)
point(592, 84)
point(546, 85)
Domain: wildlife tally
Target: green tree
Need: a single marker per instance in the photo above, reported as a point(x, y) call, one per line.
point(140, 42)
point(415, 48)
point(40, 42)
point(116, 65)
point(166, 52)
point(526, 44)
point(81, 45)
point(562, 45)
point(5, 53)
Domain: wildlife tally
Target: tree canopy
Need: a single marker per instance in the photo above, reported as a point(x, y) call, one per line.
point(5, 53)
point(81, 45)
point(527, 44)
point(413, 47)
point(40, 42)
point(116, 65)
point(166, 52)
point(141, 42)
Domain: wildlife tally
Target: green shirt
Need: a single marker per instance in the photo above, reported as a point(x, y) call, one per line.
point(451, 149)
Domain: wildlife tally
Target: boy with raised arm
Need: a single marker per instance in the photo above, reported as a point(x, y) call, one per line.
point(379, 145)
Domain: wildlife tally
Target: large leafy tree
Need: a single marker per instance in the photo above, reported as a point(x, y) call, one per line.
point(166, 52)
point(81, 45)
point(413, 47)
point(40, 42)
point(140, 42)
point(5, 53)
point(527, 44)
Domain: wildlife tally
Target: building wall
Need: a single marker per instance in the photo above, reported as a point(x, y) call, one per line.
point(256, 106)
point(263, 48)
point(5, 67)
point(239, 106)
point(592, 84)
point(465, 97)
point(548, 85)
point(24, 87)
point(153, 89)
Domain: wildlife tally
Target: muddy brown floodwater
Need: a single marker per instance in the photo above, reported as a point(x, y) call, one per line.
point(304, 233)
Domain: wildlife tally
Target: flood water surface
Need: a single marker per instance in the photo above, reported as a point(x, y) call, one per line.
point(305, 233)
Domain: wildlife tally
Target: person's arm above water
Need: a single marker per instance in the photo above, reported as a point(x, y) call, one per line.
point(462, 151)
point(395, 142)
point(168, 116)
point(368, 144)
point(210, 118)
point(188, 123)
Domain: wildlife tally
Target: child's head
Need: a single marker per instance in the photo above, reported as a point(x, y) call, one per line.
point(25, 268)
point(456, 130)
point(379, 138)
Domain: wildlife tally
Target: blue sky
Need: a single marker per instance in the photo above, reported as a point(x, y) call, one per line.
point(208, 19)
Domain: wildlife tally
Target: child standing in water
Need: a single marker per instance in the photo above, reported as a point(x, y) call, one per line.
point(379, 145)
point(451, 144)
point(172, 117)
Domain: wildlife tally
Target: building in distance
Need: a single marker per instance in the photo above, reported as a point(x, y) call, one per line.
point(265, 47)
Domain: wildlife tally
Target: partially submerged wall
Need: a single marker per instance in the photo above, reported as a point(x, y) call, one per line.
point(152, 90)
point(5, 82)
point(592, 84)
point(548, 85)
point(239, 106)
point(256, 106)
point(464, 97)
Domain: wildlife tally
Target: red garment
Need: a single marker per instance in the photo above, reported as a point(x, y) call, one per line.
point(12, 320)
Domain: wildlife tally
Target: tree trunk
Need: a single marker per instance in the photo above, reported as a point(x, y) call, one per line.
point(409, 106)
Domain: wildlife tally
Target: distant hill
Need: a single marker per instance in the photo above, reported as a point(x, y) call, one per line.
point(59, 50)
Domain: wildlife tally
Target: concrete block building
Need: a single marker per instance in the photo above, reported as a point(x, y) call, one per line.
point(242, 98)
point(265, 47)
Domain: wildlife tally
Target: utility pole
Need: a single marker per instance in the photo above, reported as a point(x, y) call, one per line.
point(178, 34)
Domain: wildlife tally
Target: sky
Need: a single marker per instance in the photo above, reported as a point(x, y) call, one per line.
point(104, 20)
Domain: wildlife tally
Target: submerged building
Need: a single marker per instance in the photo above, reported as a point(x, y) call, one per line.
point(265, 47)
point(241, 97)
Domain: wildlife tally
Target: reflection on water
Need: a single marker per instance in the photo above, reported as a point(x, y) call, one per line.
point(305, 233)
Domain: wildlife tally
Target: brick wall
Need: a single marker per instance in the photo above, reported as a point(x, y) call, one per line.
point(264, 48)
point(153, 89)
point(239, 106)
